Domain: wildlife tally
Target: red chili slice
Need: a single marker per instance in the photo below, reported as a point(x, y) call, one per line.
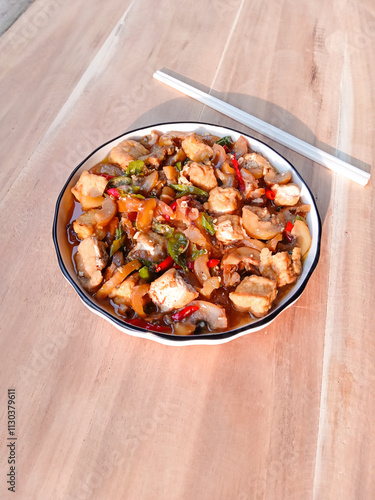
point(174, 205)
point(241, 182)
point(213, 262)
point(167, 217)
point(113, 192)
point(289, 227)
point(178, 316)
point(167, 263)
point(270, 194)
point(107, 176)
point(287, 231)
point(148, 326)
point(190, 265)
point(132, 216)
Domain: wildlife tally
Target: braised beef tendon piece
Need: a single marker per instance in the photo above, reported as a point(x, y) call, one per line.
point(184, 233)
point(90, 259)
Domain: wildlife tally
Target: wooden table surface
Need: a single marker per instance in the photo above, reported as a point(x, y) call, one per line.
point(284, 413)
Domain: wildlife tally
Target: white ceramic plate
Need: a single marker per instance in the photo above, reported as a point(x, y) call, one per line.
point(63, 251)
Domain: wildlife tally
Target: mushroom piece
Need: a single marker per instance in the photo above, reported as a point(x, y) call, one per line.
point(201, 268)
point(302, 233)
point(264, 228)
point(273, 177)
point(245, 255)
point(214, 316)
point(237, 259)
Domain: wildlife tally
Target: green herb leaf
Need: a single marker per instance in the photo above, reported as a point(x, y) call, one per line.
point(135, 167)
point(118, 242)
point(177, 245)
point(207, 224)
point(179, 166)
point(147, 263)
point(187, 189)
point(197, 253)
point(164, 229)
point(119, 232)
point(128, 189)
point(144, 273)
point(119, 181)
point(299, 217)
point(225, 141)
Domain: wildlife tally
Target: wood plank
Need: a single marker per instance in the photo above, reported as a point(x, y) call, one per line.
point(283, 413)
point(43, 58)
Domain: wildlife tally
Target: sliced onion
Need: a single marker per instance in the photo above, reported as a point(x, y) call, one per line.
point(171, 174)
point(118, 277)
point(220, 155)
point(106, 168)
point(209, 286)
point(146, 214)
point(196, 236)
point(148, 183)
point(272, 244)
point(137, 298)
point(240, 147)
point(167, 195)
point(106, 213)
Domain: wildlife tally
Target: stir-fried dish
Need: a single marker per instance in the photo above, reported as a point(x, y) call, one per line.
point(184, 233)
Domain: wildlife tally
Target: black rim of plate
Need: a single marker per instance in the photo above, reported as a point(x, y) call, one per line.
point(258, 324)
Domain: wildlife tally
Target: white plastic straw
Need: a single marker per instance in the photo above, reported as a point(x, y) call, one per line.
point(301, 147)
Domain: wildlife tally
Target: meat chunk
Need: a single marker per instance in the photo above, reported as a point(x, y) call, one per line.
point(85, 226)
point(229, 229)
point(196, 149)
point(224, 200)
point(90, 259)
point(260, 224)
point(256, 163)
point(255, 295)
point(281, 267)
point(286, 194)
point(90, 186)
point(127, 151)
point(171, 292)
point(201, 176)
point(157, 155)
point(170, 138)
point(150, 246)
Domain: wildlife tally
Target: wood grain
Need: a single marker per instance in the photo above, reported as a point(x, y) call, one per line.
point(285, 413)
